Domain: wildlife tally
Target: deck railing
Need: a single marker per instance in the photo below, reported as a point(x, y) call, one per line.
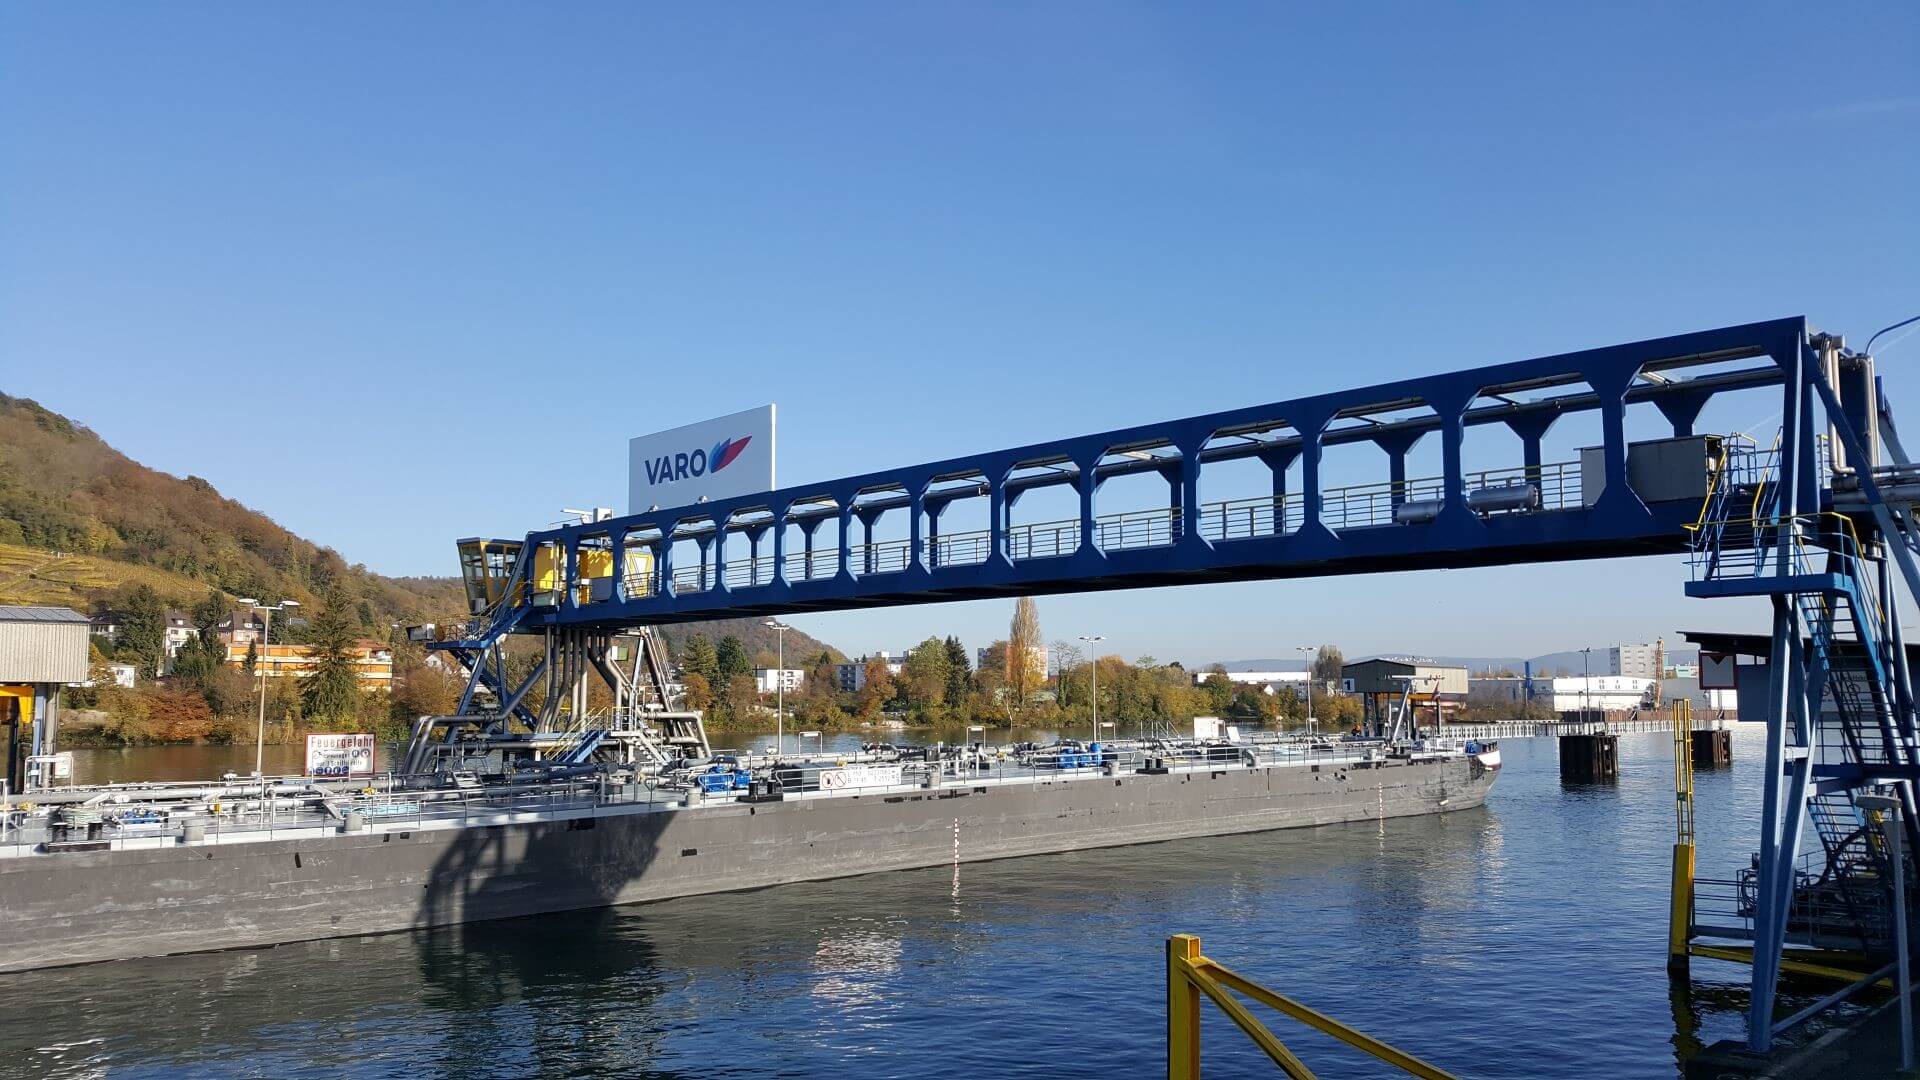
point(1192, 976)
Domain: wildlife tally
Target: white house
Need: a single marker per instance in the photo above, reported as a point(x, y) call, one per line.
point(767, 680)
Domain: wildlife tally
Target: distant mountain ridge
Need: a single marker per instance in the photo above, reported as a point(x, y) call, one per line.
point(1571, 661)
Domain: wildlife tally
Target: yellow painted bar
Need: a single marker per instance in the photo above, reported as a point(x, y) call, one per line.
point(1183, 1010)
point(1680, 918)
point(1400, 1059)
point(1741, 954)
point(1188, 971)
point(1198, 975)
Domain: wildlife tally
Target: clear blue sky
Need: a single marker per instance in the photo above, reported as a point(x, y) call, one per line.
point(338, 259)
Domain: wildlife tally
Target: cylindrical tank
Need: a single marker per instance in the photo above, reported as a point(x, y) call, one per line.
point(1417, 512)
point(1505, 497)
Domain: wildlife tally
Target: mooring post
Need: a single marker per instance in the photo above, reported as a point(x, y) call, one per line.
point(1589, 759)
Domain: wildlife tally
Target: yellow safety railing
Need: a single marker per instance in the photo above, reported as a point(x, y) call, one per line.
point(1190, 976)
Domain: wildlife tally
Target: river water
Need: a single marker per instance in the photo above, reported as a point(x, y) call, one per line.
point(1523, 939)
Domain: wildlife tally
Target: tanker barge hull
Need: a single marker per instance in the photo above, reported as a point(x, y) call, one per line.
point(166, 894)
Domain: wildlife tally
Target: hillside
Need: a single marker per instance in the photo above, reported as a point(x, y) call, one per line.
point(79, 520)
point(80, 523)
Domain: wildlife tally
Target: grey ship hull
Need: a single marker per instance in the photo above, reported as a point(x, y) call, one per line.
point(86, 907)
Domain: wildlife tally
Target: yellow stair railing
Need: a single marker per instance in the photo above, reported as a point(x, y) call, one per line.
point(1191, 976)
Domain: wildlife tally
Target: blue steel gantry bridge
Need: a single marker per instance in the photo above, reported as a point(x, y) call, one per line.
point(1818, 521)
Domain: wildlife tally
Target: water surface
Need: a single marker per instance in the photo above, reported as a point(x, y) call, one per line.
point(1525, 939)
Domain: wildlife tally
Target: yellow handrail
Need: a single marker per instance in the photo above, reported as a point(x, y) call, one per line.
point(1191, 976)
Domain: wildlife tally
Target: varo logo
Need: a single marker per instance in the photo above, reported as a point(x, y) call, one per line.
point(667, 468)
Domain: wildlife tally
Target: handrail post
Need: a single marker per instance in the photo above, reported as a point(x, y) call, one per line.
point(1183, 1010)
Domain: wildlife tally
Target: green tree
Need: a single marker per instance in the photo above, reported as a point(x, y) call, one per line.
point(143, 631)
point(331, 693)
point(200, 658)
point(698, 658)
point(210, 610)
point(924, 676)
point(1219, 690)
point(252, 662)
point(959, 673)
point(731, 658)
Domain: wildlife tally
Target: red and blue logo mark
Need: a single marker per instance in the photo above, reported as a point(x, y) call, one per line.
point(668, 468)
point(725, 451)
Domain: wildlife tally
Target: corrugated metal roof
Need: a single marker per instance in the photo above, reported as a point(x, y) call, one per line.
point(40, 614)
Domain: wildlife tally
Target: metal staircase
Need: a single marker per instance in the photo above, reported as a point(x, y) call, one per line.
point(1806, 525)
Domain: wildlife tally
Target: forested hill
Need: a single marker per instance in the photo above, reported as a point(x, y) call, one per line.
point(82, 523)
point(63, 489)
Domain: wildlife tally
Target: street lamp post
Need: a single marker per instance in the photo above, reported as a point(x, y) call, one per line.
point(1311, 650)
point(779, 686)
point(266, 625)
point(1093, 655)
point(1586, 685)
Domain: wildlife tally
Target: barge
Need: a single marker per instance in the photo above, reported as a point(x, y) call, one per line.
point(254, 863)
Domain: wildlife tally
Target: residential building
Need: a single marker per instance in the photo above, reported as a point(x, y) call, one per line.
point(1634, 661)
point(119, 674)
point(768, 680)
point(241, 628)
point(1037, 659)
point(179, 631)
point(372, 661)
point(105, 624)
point(852, 676)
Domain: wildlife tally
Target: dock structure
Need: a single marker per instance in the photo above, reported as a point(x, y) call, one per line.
point(1589, 759)
point(1653, 722)
point(1817, 523)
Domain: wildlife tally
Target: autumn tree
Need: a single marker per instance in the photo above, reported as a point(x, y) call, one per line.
point(1024, 646)
point(420, 688)
point(1327, 664)
point(696, 692)
point(878, 689)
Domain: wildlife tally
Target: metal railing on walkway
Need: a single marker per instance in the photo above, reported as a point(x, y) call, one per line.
point(1191, 975)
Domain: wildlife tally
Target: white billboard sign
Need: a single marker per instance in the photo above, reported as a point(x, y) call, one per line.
point(340, 756)
point(714, 459)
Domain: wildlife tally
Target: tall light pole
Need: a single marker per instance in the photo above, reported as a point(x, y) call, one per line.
point(780, 686)
point(266, 624)
point(1093, 657)
point(1311, 651)
point(1586, 685)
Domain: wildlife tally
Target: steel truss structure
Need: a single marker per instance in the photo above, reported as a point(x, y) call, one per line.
point(1809, 523)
